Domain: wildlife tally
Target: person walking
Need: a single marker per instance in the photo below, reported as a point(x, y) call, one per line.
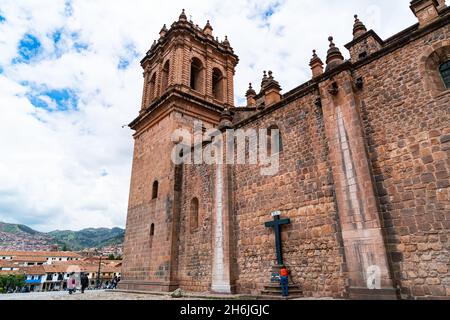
point(84, 282)
point(114, 283)
point(284, 281)
point(71, 284)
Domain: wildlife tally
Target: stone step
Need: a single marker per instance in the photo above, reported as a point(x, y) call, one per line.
point(277, 285)
point(271, 293)
point(279, 297)
point(274, 291)
point(279, 289)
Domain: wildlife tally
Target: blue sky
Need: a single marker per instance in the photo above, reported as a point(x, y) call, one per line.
point(70, 79)
point(28, 49)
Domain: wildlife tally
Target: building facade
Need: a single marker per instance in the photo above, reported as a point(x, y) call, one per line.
point(363, 168)
point(38, 257)
point(49, 270)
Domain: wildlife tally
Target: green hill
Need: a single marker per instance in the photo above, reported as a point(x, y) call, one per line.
point(70, 240)
point(16, 228)
point(89, 238)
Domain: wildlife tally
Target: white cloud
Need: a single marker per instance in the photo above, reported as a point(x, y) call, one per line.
point(70, 170)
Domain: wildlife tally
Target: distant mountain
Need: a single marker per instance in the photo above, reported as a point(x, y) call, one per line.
point(16, 228)
point(89, 238)
point(21, 237)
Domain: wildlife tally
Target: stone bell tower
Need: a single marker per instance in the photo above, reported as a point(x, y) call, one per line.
point(188, 76)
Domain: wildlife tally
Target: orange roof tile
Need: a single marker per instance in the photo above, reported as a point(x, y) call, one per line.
point(34, 270)
point(53, 254)
point(29, 259)
point(7, 273)
point(7, 264)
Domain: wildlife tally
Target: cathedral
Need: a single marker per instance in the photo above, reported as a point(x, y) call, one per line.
point(358, 207)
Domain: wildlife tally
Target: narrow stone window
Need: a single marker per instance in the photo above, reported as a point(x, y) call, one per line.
point(196, 74)
point(363, 55)
point(444, 69)
point(165, 77)
point(274, 141)
point(152, 234)
point(217, 84)
point(194, 214)
point(152, 85)
point(155, 190)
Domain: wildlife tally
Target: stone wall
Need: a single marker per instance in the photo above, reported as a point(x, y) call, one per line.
point(407, 132)
point(195, 245)
point(147, 259)
point(303, 191)
point(368, 168)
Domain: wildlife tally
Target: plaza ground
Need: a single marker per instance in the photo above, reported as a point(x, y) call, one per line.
point(110, 295)
point(88, 295)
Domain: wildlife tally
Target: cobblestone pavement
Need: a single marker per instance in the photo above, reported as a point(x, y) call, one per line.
point(88, 295)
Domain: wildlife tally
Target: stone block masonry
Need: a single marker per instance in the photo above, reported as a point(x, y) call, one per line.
point(363, 169)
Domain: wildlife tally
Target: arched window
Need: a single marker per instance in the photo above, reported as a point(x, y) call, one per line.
point(444, 69)
point(217, 84)
point(155, 190)
point(152, 234)
point(152, 85)
point(435, 68)
point(194, 214)
point(196, 74)
point(165, 77)
point(274, 141)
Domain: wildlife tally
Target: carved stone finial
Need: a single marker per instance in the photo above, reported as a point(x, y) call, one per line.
point(226, 118)
point(358, 28)
point(316, 64)
point(332, 45)
point(183, 16)
point(208, 29)
point(264, 80)
point(334, 56)
point(226, 43)
point(250, 91)
point(250, 94)
point(163, 31)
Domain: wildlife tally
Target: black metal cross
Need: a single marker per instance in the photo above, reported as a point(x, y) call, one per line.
point(276, 225)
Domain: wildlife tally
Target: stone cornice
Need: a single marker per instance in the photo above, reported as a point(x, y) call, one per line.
point(182, 28)
point(397, 41)
point(364, 36)
point(391, 44)
point(173, 94)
